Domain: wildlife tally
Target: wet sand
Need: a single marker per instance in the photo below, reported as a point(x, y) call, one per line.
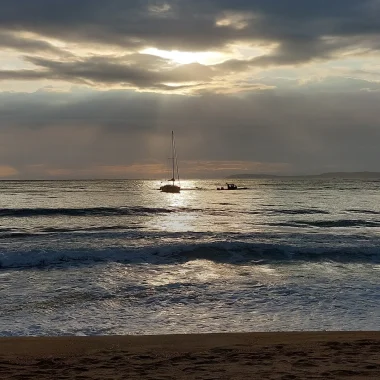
point(305, 355)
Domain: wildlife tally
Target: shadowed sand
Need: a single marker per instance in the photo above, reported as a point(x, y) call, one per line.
point(306, 355)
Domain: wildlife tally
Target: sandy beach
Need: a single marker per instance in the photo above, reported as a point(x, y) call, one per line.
point(298, 355)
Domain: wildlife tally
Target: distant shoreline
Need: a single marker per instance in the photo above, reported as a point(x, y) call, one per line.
point(348, 175)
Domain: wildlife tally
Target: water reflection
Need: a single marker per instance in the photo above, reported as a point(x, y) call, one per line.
point(199, 207)
point(182, 216)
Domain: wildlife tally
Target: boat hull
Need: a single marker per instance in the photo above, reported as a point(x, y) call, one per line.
point(170, 189)
point(231, 186)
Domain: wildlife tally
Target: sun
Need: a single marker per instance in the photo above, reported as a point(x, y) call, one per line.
point(187, 57)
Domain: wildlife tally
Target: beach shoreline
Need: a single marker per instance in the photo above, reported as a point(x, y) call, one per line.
point(271, 355)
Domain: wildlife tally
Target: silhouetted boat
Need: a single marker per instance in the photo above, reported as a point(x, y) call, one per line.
point(172, 188)
point(232, 186)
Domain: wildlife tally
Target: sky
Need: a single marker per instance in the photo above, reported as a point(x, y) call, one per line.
point(92, 88)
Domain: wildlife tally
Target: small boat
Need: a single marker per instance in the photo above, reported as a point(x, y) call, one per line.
point(232, 186)
point(172, 188)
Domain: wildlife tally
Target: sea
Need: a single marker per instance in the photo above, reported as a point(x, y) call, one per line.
point(116, 257)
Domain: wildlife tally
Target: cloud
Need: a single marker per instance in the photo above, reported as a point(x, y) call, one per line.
point(292, 86)
point(22, 75)
point(135, 70)
point(100, 45)
point(302, 30)
point(129, 24)
point(75, 133)
point(17, 42)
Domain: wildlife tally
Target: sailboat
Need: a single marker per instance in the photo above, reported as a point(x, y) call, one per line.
point(172, 188)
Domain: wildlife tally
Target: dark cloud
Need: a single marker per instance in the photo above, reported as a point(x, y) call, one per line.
point(139, 70)
point(312, 132)
point(125, 23)
point(302, 29)
point(15, 42)
point(22, 75)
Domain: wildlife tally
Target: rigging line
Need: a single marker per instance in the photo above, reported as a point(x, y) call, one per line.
point(176, 160)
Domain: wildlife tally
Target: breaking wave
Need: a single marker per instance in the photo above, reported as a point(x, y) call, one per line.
point(235, 253)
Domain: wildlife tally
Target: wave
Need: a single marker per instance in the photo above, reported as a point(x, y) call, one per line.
point(95, 211)
point(19, 233)
point(359, 211)
point(235, 253)
point(342, 223)
point(143, 211)
point(298, 211)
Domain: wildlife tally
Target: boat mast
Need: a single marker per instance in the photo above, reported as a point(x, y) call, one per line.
point(173, 179)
